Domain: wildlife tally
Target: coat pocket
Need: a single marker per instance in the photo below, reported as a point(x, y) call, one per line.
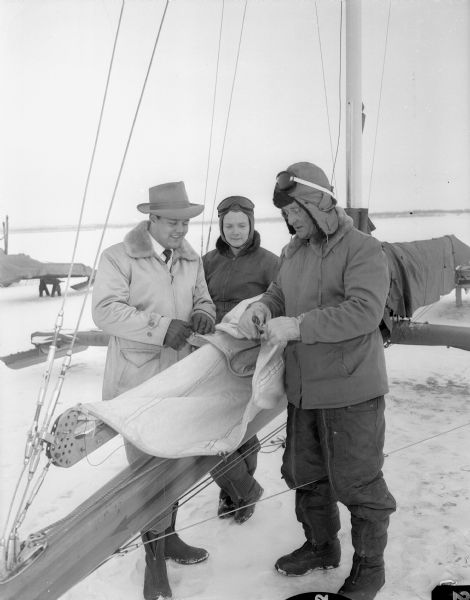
point(140, 356)
point(356, 352)
point(136, 365)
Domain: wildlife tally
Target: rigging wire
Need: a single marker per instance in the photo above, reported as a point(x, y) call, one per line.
point(59, 321)
point(223, 471)
point(33, 441)
point(333, 181)
point(380, 101)
point(339, 89)
point(67, 358)
point(227, 123)
point(131, 546)
point(212, 121)
point(431, 437)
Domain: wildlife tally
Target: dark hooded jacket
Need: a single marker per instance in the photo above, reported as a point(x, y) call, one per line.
point(231, 279)
point(339, 286)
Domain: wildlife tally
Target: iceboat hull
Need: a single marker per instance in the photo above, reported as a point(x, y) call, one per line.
point(205, 383)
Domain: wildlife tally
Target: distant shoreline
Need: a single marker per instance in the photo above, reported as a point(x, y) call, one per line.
point(373, 215)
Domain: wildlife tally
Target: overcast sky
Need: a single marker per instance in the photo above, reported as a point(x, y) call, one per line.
point(55, 56)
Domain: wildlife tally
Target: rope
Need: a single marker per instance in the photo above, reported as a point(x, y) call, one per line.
point(380, 102)
point(339, 88)
point(212, 121)
point(226, 123)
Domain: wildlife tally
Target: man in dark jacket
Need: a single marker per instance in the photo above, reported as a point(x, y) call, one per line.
point(326, 306)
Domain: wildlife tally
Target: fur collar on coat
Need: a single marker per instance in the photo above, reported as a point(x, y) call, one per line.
point(138, 244)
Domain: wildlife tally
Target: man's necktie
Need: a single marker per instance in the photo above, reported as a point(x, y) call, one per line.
point(167, 253)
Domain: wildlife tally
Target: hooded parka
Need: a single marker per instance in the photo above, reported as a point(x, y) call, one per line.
point(335, 284)
point(135, 296)
point(338, 287)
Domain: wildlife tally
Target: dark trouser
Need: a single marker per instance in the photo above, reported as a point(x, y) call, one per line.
point(234, 475)
point(337, 454)
point(164, 523)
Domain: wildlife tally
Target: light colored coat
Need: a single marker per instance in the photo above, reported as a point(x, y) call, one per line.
point(135, 297)
point(340, 288)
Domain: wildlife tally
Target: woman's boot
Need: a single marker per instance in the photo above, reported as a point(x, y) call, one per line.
point(156, 585)
point(178, 550)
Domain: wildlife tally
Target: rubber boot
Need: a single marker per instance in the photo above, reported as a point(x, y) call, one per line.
point(366, 578)
point(178, 550)
point(309, 557)
point(156, 585)
point(246, 507)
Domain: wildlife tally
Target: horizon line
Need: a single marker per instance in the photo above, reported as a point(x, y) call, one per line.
point(89, 227)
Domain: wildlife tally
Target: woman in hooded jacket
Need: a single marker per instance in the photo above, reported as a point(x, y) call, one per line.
point(238, 269)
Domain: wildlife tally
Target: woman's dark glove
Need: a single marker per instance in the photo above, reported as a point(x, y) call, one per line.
point(201, 323)
point(177, 334)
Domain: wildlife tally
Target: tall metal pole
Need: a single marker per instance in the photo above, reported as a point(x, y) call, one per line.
point(5, 234)
point(354, 113)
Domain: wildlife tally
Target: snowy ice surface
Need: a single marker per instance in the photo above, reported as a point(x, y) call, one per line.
point(427, 466)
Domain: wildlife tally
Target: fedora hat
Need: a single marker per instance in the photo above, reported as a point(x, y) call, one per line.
point(171, 201)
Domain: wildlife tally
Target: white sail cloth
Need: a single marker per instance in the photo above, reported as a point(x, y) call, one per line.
point(203, 404)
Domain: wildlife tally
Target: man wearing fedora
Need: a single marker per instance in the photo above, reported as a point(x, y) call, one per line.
point(149, 295)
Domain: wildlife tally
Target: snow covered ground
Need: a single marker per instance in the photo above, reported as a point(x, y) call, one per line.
point(427, 466)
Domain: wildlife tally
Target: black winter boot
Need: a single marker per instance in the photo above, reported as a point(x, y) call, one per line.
point(308, 557)
point(366, 578)
point(246, 507)
point(178, 550)
point(156, 585)
point(226, 507)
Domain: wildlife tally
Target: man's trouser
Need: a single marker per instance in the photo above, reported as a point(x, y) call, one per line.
point(337, 454)
point(234, 475)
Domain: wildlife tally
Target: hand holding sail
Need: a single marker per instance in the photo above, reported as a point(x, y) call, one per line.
point(252, 321)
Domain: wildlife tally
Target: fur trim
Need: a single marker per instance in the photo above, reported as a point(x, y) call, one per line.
point(138, 244)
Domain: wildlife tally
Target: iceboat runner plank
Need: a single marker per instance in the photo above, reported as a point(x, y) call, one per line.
point(77, 544)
